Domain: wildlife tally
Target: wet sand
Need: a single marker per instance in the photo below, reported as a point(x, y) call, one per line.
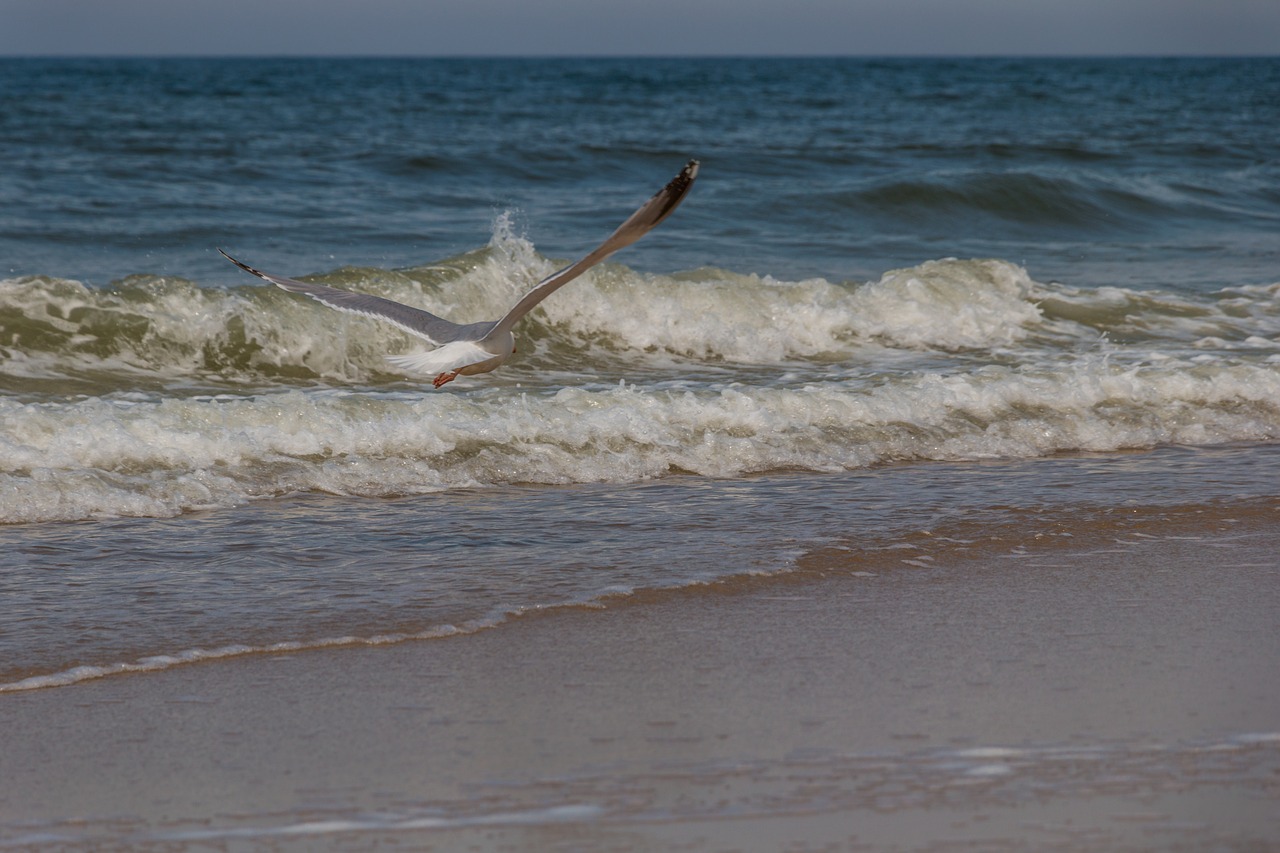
point(1116, 692)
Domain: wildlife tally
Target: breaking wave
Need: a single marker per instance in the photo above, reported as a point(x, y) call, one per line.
point(154, 397)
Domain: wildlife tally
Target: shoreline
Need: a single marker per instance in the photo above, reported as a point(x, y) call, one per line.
point(1112, 693)
point(920, 539)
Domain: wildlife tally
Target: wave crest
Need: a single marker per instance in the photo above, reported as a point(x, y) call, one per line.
point(163, 329)
point(95, 457)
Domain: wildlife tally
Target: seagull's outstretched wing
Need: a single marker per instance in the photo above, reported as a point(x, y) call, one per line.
point(415, 321)
point(640, 223)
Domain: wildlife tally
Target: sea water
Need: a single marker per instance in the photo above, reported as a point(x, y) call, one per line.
point(902, 295)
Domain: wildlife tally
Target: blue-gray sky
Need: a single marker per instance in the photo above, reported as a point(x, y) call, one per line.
point(637, 27)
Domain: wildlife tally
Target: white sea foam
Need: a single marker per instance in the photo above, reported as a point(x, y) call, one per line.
point(271, 833)
point(123, 457)
point(497, 616)
point(171, 328)
point(155, 663)
point(392, 822)
point(713, 313)
point(949, 360)
point(991, 752)
point(167, 329)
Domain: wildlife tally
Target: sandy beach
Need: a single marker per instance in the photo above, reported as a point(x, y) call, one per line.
point(1117, 693)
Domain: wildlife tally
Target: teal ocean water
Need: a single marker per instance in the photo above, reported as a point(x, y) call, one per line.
point(904, 295)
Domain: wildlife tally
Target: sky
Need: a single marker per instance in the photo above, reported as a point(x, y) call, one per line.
point(637, 27)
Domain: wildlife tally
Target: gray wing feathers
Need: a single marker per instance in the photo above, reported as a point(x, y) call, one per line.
point(415, 321)
point(439, 331)
point(637, 225)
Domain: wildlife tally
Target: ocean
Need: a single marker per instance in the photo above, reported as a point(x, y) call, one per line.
point(907, 300)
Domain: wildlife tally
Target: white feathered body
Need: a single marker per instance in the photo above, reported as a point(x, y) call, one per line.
point(464, 357)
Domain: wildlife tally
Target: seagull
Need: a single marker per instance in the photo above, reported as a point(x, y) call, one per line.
point(468, 349)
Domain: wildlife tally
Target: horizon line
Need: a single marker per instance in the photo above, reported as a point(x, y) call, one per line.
point(635, 56)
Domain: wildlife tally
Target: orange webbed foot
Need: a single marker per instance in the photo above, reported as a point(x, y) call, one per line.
point(445, 377)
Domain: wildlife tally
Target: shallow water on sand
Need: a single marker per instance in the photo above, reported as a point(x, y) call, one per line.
point(96, 598)
point(1062, 683)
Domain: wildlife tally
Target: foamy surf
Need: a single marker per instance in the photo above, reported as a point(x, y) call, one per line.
point(152, 331)
point(153, 398)
point(95, 457)
point(61, 336)
point(100, 458)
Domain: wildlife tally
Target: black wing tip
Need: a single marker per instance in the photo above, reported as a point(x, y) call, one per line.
point(675, 190)
point(242, 266)
point(682, 181)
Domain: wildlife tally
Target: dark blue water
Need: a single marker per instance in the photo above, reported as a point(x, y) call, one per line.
point(1092, 171)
